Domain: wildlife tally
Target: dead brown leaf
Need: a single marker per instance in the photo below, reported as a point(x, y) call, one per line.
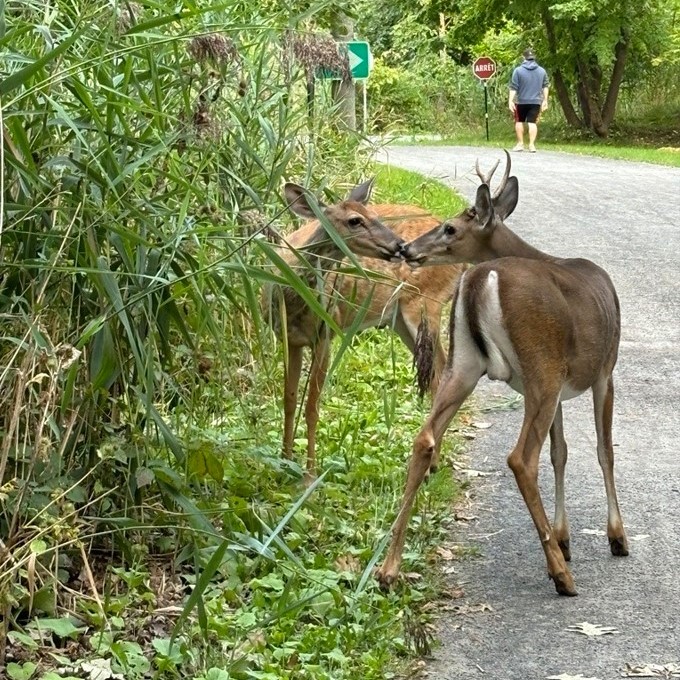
point(591, 629)
point(445, 553)
point(652, 670)
point(348, 563)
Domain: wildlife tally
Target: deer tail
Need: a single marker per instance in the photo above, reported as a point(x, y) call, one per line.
point(423, 356)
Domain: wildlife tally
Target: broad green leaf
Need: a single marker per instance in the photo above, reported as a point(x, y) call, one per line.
point(18, 638)
point(24, 671)
point(62, 628)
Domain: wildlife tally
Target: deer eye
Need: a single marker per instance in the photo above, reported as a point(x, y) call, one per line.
point(355, 221)
point(450, 230)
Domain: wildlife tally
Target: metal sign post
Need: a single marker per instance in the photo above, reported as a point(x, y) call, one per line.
point(485, 68)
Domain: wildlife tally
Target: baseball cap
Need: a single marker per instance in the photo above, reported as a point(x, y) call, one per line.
point(528, 54)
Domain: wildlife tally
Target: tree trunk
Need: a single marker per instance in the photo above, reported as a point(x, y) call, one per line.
point(563, 97)
point(590, 98)
point(560, 86)
point(582, 97)
point(344, 91)
point(621, 52)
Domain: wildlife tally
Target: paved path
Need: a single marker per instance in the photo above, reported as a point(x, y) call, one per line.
point(626, 217)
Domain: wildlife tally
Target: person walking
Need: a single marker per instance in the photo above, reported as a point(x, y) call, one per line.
point(529, 89)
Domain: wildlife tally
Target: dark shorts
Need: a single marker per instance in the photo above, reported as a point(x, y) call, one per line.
point(527, 113)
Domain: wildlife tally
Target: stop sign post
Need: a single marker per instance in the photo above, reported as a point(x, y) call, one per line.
point(485, 68)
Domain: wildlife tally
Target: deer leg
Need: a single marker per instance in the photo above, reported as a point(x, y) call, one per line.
point(317, 378)
point(292, 372)
point(539, 413)
point(603, 402)
point(558, 456)
point(453, 390)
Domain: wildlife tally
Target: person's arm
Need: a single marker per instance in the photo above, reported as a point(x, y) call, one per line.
point(546, 90)
point(514, 86)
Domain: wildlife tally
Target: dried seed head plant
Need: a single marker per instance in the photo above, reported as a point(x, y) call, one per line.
point(315, 51)
point(213, 48)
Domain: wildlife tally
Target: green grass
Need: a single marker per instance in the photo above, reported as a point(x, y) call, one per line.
point(394, 185)
point(612, 148)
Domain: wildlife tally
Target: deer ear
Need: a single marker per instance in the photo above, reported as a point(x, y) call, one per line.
point(297, 198)
point(362, 192)
point(484, 207)
point(506, 203)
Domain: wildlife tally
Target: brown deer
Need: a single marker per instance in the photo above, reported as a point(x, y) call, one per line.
point(404, 298)
point(549, 327)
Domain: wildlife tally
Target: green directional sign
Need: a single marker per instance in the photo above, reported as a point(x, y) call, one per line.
point(359, 59)
point(360, 62)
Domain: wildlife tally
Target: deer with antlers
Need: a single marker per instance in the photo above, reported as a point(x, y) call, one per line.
point(549, 327)
point(406, 299)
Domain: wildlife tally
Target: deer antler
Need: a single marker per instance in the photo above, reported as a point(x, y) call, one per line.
point(486, 179)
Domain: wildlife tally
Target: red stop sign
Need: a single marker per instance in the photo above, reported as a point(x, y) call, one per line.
point(484, 68)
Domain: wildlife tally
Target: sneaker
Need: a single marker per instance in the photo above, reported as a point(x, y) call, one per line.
point(532, 148)
point(518, 147)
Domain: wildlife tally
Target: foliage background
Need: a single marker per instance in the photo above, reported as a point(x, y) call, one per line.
point(423, 80)
point(148, 524)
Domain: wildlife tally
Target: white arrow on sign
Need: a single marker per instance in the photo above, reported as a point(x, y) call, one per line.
point(354, 60)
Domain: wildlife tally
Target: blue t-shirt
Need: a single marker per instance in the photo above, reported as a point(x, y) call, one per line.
point(528, 80)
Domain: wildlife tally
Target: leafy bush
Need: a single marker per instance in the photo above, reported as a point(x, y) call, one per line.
point(148, 525)
point(143, 156)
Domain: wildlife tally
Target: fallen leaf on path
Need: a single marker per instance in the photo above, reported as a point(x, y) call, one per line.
point(593, 532)
point(468, 608)
point(566, 676)
point(445, 553)
point(481, 425)
point(477, 473)
point(652, 670)
point(591, 629)
point(453, 593)
point(464, 518)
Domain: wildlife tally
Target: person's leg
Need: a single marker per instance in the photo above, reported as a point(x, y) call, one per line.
point(519, 133)
point(533, 131)
point(520, 117)
point(532, 124)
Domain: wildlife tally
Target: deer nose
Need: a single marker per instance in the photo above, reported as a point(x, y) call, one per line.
point(399, 248)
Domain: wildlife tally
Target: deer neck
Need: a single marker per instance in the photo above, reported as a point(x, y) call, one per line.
point(321, 248)
point(505, 243)
point(322, 256)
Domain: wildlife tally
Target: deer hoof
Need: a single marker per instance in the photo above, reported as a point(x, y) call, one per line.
point(566, 549)
point(619, 546)
point(564, 584)
point(386, 577)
